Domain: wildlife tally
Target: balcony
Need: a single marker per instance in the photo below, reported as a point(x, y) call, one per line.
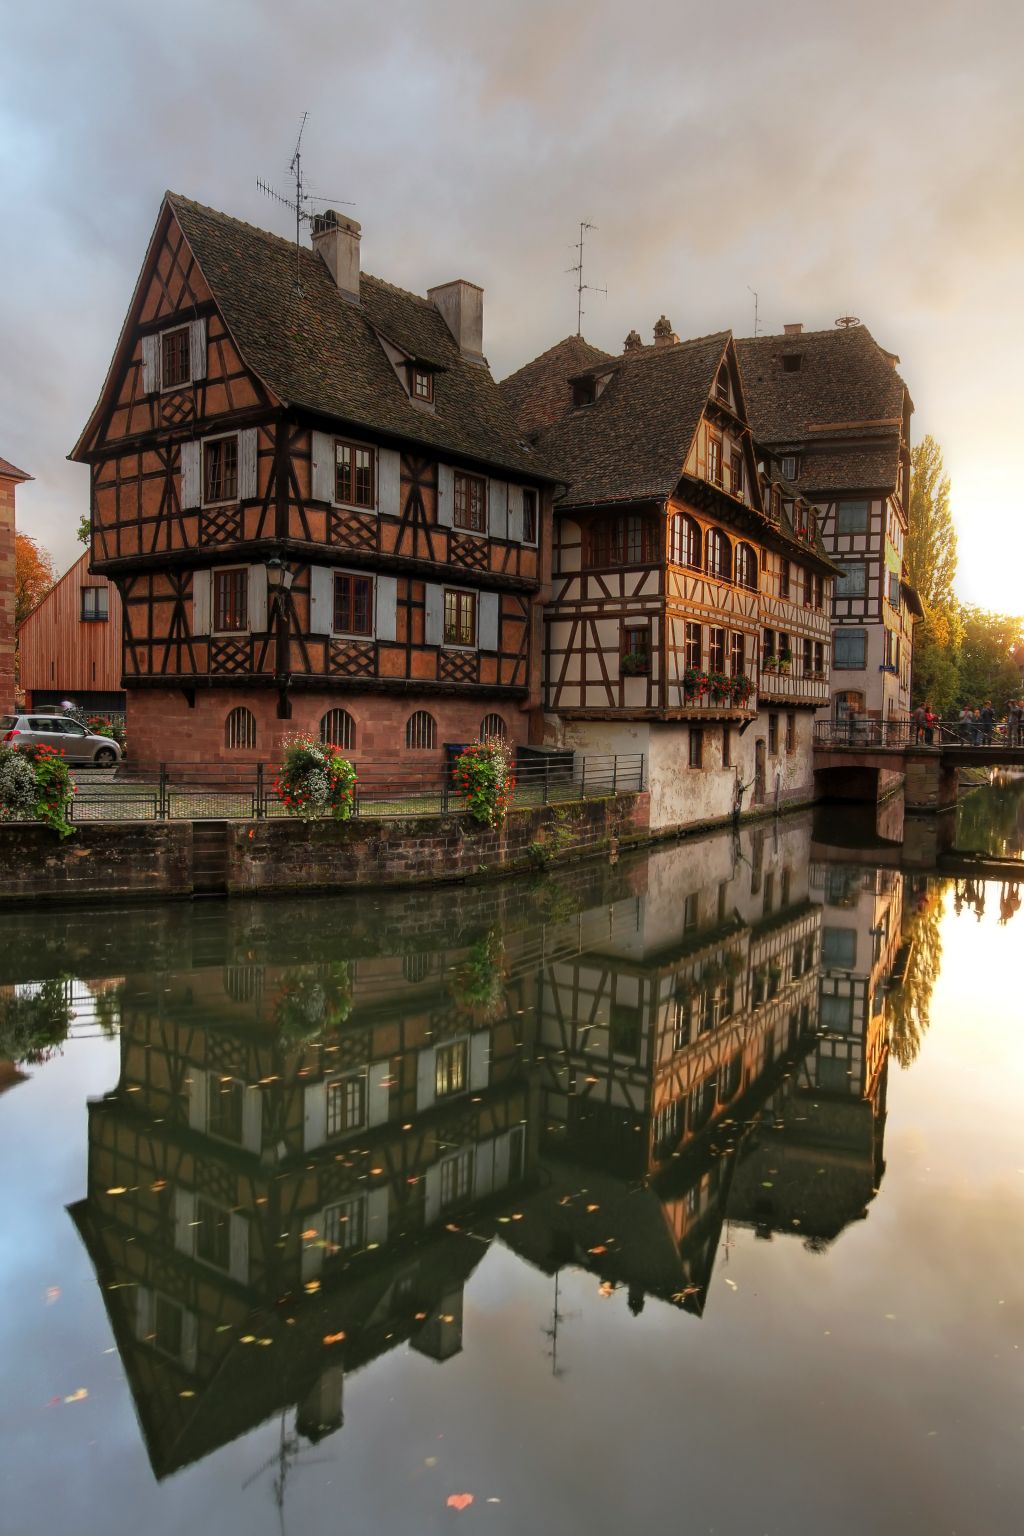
point(793, 687)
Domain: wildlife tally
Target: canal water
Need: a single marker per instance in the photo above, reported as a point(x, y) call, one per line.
point(684, 1193)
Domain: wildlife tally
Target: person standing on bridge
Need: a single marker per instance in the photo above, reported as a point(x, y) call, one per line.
point(988, 720)
point(1013, 722)
point(967, 726)
point(930, 718)
point(919, 713)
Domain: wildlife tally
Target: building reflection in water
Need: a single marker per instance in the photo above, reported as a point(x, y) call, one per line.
point(316, 1134)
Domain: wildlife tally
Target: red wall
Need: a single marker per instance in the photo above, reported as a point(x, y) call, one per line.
point(6, 594)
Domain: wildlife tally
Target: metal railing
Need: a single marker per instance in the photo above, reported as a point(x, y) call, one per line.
point(906, 732)
point(198, 794)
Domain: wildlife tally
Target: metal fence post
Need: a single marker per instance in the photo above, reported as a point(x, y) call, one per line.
point(260, 804)
point(547, 779)
point(615, 774)
point(163, 806)
point(583, 779)
point(445, 789)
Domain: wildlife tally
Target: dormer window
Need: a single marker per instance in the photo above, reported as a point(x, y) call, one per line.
point(714, 459)
point(422, 386)
point(584, 392)
point(791, 362)
point(790, 466)
point(722, 384)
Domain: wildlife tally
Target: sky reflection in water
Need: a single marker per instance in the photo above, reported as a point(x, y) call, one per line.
point(601, 1198)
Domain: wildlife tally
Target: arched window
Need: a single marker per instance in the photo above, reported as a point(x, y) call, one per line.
point(685, 542)
point(493, 725)
point(338, 729)
point(240, 730)
point(421, 731)
point(719, 552)
point(746, 567)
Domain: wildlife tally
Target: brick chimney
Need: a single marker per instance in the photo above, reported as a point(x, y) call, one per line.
point(461, 306)
point(664, 335)
point(336, 241)
point(633, 342)
point(794, 328)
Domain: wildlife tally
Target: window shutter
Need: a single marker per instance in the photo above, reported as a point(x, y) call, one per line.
point(389, 481)
point(483, 1169)
point(197, 348)
point(150, 364)
point(445, 496)
point(257, 598)
point(487, 628)
point(247, 472)
point(191, 482)
point(515, 513)
point(432, 1202)
point(377, 1217)
point(202, 601)
point(239, 1259)
point(189, 1339)
point(426, 1079)
point(197, 1099)
point(252, 1119)
point(321, 599)
point(323, 467)
point(433, 620)
point(378, 1092)
point(144, 1311)
point(315, 1104)
point(184, 1216)
point(497, 508)
point(479, 1059)
point(313, 1247)
point(386, 618)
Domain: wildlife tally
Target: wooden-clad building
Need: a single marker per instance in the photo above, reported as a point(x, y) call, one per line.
point(10, 478)
point(69, 646)
point(689, 608)
point(314, 502)
point(831, 407)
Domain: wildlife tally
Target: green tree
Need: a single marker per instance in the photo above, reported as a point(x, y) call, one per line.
point(930, 550)
point(84, 528)
point(988, 666)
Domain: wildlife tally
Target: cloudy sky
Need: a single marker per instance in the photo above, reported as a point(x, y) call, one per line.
point(840, 156)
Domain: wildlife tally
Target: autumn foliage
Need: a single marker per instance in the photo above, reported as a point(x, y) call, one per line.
point(33, 575)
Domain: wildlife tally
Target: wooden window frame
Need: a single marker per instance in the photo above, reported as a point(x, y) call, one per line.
point(451, 1069)
point(461, 596)
point(790, 732)
point(421, 385)
point(716, 538)
point(95, 593)
point(722, 391)
point(225, 1126)
point(737, 647)
point(847, 567)
point(531, 515)
point(745, 566)
point(736, 476)
point(715, 460)
point(352, 578)
point(208, 444)
point(847, 507)
point(716, 645)
point(784, 579)
point(695, 747)
point(220, 573)
point(223, 1227)
point(609, 540)
point(464, 484)
point(693, 635)
point(172, 335)
point(628, 631)
point(773, 734)
point(354, 447)
point(339, 1087)
point(794, 460)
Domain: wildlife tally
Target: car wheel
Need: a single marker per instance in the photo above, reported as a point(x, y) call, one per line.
point(106, 757)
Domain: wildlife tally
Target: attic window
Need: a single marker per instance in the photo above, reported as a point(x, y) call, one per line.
point(722, 384)
point(791, 362)
point(174, 356)
point(790, 466)
point(584, 392)
point(422, 385)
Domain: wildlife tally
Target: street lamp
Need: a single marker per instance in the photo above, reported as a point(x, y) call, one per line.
point(279, 575)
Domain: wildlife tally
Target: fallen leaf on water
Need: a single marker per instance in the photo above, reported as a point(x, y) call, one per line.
point(264, 1342)
point(494, 1501)
point(446, 1317)
point(118, 1189)
point(606, 1289)
point(591, 1208)
point(187, 1393)
point(459, 1500)
point(334, 1338)
point(312, 1286)
point(52, 1294)
point(420, 1316)
point(247, 1338)
point(732, 1284)
point(450, 1226)
point(77, 1396)
point(599, 1248)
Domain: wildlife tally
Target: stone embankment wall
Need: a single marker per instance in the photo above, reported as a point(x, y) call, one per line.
point(109, 860)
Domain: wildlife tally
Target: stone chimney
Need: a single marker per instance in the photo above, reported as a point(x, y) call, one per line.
point(336, 241)
point(633, 342)
point(461, 306)
point(664, 335)
point(794, 328)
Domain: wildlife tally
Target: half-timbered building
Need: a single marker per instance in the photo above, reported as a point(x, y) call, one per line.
point(314, 502)
point(831, 407)
point(688, 616)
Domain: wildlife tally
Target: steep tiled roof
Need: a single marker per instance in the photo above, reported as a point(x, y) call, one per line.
point(854, 467)
point(631, 443)
point(844, 377)
point(10, 471)
point(539, 392)
point(320, 351)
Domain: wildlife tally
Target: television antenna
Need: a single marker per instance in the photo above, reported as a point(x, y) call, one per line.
point(299, 202)
point(581, 286)
point(754, 292)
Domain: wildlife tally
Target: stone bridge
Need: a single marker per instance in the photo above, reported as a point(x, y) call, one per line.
point(859, 761)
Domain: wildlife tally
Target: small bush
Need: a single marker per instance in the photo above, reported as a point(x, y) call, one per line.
point(36, 784)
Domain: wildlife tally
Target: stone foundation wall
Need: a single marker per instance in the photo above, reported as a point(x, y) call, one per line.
point(105, 861)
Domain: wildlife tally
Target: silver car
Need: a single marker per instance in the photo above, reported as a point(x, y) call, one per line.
point(77, 744)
